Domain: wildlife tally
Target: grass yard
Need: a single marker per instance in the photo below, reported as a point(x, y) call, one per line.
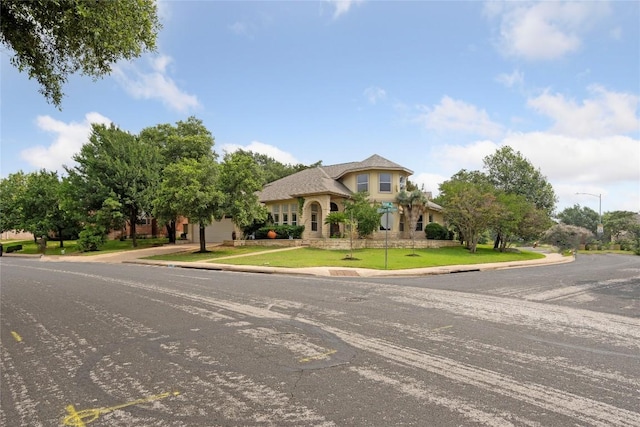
point(214, 253)
point(71, 248)
point(397, 259)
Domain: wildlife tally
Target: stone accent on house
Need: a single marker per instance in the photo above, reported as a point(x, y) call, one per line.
point(344, 244)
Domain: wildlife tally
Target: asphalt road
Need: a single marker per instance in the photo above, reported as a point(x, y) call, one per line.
point(129, 345)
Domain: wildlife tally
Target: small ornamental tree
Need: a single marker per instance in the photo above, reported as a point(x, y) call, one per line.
point(364, 213)
point(413, 204)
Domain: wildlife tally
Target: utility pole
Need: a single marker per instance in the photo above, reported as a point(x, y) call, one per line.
point(600, 229)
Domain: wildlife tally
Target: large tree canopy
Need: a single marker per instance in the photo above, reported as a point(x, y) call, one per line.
point(11, 190)
point(240, 179)
point(51, 39)
point(116, 165)
point(188, 139)
point(469, 202)
point(189, 187)
point(580, 217)
point(510, 172)
point(272, 170)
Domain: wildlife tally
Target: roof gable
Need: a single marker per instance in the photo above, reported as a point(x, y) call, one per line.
point(323, 179)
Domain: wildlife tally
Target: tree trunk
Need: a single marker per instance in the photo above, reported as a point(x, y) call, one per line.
point(132, 223)
point(60, 237)
point(203, 244)
point(171, 231)
point(496, 244)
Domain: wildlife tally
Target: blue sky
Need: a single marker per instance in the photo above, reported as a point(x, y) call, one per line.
point(433, 86)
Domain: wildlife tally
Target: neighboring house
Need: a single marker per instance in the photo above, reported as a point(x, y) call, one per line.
point(147, 227)
point(306, 197)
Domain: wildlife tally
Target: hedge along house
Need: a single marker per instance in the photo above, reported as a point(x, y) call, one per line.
point(307, 197)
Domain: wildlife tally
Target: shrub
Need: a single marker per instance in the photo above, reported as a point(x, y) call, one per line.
point(565, 236)
point(435, 231)
point(91, 238)
point(282, 231)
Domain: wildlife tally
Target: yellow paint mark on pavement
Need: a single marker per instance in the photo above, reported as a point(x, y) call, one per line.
point(16, 337)
point(82, 418)
point(318, 356)
point(442, 328)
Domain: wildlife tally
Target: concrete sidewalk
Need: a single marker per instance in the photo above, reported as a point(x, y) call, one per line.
point(134, 257)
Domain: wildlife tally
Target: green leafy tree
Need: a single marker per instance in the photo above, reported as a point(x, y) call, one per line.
point(240, 179)
point(580, 217)
point(52, 39)
point(273, 170)
point(108, 217)
point(616, 223)
point(413, 204)
point(118, 165)
point(336, 218)
point(190, 188)
point(189, 139)
point(469, 204)
point(32, 202)
point(11, 190)
point(364, 213)
point(634, 238)
point(512, 173)
point(41, 206)
point(518, 219)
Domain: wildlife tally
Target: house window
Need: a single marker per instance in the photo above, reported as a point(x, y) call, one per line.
point(276, 214)
point(401, 225)
point(385, 182)
point(403, 183)
point(419, 224)
point(294, 214)
point(285, 214)
point(430, 217)
point(362, 183)
point(314, 217)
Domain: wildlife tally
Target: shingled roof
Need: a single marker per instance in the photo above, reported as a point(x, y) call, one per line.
point(323, 179)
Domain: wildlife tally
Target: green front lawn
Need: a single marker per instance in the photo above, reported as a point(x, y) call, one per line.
point(213, 253)
point(71, 248)
point(397, 259)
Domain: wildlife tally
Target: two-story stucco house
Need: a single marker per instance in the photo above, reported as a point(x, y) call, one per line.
point(305, 198)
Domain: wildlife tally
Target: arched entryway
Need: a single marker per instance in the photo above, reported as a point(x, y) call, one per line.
point(335, 228)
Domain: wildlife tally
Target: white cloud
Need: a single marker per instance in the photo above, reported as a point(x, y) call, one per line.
point(239, 28)
point(154, 84)
point(69, 138)
point(342, 6)
point(430, 181)
point(262, 148)
point(374, 94)
point(510, 80)
point(605, 113)
point(544, 30)
point(458, 116)
point(603, 160)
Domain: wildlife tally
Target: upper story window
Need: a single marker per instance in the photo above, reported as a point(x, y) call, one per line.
point(403, 183)
point(362, 181)
point(385, 183)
